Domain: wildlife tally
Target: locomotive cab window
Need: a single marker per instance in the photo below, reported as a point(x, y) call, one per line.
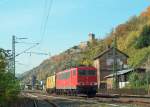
point(87, 72)
point(82, 72)
point(91, 72)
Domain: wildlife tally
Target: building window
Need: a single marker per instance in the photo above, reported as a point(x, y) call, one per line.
point(109, 61)
point(119, 62)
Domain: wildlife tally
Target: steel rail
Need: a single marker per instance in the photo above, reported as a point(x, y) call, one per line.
point(51, 103)
point(35, 103)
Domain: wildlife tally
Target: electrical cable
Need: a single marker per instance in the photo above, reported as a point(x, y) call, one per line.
point(27, 49)
point(43, 18)
point(38, 53)
point(46, 20)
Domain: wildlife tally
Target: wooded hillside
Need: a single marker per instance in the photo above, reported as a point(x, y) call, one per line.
point(133, 38)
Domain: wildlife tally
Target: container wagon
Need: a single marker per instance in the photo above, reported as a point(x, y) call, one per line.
point(50, 84)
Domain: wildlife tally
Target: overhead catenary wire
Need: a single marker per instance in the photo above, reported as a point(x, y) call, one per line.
point(28, 43)
point(38, 53)
point(43, 19)
point(27, 49)
point(48, 5)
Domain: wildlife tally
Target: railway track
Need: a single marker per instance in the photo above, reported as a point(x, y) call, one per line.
point(43, 103)
point(37, 101)
point(59, 100)
point(102, 98)
point(76, 101)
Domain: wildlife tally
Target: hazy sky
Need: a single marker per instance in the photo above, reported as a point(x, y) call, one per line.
point(69, 23)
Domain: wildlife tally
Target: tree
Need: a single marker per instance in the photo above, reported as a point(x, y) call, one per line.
point(144, 38)
point(146, 13)
point(9, 86)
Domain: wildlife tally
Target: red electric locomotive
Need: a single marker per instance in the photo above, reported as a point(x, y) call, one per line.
point(78, 80)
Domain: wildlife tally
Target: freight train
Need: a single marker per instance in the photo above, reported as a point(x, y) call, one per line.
point(73, 81)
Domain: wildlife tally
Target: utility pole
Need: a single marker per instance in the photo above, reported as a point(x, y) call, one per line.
point(115, 79)
point(13, 54)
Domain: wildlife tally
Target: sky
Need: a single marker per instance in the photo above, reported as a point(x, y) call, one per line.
point(68, 22)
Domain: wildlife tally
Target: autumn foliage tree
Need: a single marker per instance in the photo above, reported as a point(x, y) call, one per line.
point(146, 13)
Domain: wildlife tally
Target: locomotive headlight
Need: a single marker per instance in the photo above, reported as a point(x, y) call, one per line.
point(95, 83)
point(91, 83)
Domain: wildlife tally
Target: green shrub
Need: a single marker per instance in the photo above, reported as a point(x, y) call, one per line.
point(137, 80)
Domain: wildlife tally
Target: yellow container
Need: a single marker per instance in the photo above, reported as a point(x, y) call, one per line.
point(50, 82)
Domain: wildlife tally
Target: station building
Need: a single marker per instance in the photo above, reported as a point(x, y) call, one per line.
point(104, 63)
